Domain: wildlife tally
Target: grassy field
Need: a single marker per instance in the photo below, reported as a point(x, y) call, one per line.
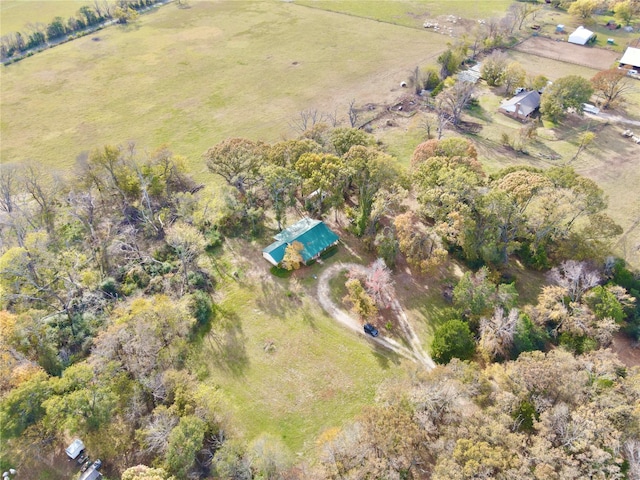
point(284, 367)
point(15, 14)
point(191, 77)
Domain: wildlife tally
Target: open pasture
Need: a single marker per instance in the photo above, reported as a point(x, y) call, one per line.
point(191, 77)
point(282, 365)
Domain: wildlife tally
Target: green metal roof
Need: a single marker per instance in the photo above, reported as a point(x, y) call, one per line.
point(314, 235)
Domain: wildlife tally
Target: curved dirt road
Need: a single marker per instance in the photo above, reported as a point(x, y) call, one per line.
point(415, 354)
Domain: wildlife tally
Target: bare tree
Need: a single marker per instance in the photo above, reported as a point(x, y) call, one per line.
point(454, 99)
point(575, 277)
point(497, 332)
point(379, 283)
point(306, 119)
point(354, 115)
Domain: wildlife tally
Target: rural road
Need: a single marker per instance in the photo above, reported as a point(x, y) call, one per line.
point(609, 117)
point(415, 354)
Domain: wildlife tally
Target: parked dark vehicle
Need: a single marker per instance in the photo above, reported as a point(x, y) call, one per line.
point(370, 329)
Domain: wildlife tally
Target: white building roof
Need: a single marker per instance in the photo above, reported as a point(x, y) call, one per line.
point(631, 57)
point(581, 36)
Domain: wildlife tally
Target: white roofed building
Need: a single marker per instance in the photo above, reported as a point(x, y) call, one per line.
point(631, 58)
point(581, 36)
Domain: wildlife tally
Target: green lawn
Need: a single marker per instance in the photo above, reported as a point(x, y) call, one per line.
point(284, 367)
point(191, 77)
point(16, 14)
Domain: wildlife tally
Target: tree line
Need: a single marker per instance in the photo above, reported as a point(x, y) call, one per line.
point(37, 34)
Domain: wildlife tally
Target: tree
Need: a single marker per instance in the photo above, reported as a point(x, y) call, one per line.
point(188, 243)
point(343, 139)
point(584, 140)
point(238, 161)
point(610, 85)
point(583, 8)
point(566, 92)
point(497, 333)
point(514, 76)
point(476, 295)
point(56, 28)
point(185, 441)
point(575, 277)
point(493, 68)
point(420, 245)
point(521, 11)
point(450, 61)
point(362, 304)
point(292, 256)
point(454, 99)
point(626, 10)
point(379, 283)
point(449, 147)
point(369, 170)
point(452, 339)
point(142, 472)
point(125, 14)
point(281, 184)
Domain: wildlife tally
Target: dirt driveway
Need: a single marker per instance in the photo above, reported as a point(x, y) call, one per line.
point(415, 353)
point(597, 58)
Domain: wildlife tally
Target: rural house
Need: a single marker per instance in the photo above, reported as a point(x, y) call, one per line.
point(522, 105)
point(314, 236)
point(581, 36)
point(631, 59)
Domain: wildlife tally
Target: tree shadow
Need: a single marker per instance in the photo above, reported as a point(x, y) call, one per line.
point(227, 343)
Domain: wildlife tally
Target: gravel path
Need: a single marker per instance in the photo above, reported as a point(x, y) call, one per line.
point(415, 354)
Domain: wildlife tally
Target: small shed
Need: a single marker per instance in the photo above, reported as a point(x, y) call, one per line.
point(560, 28)
point(522, 105)
point(581, 36)
point(314, 235)
point(631, 58)
point(74, 449)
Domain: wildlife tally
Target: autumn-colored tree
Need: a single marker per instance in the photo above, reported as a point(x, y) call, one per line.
point(448, 147)
point(237, 161)
point(420, 245)
point(142, 472)
point(583, 8)
point(292, 259)
point(379, 283)
point(362, 304)
point(610, 85)
point(626, 10)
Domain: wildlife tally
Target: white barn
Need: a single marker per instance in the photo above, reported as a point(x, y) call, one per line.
point(631, 58)
point(581, 36)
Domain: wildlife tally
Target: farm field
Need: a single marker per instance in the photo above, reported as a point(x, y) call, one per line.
point(191, 77)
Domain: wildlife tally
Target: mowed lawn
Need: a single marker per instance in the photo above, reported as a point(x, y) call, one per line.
point(283, 367)
point(16, 14)
point(192, 77)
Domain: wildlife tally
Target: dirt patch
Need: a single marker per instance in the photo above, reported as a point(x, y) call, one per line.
point(627, 350)
point(568, 52)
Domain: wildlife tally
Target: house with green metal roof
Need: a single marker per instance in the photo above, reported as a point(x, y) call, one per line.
point(314, 236)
